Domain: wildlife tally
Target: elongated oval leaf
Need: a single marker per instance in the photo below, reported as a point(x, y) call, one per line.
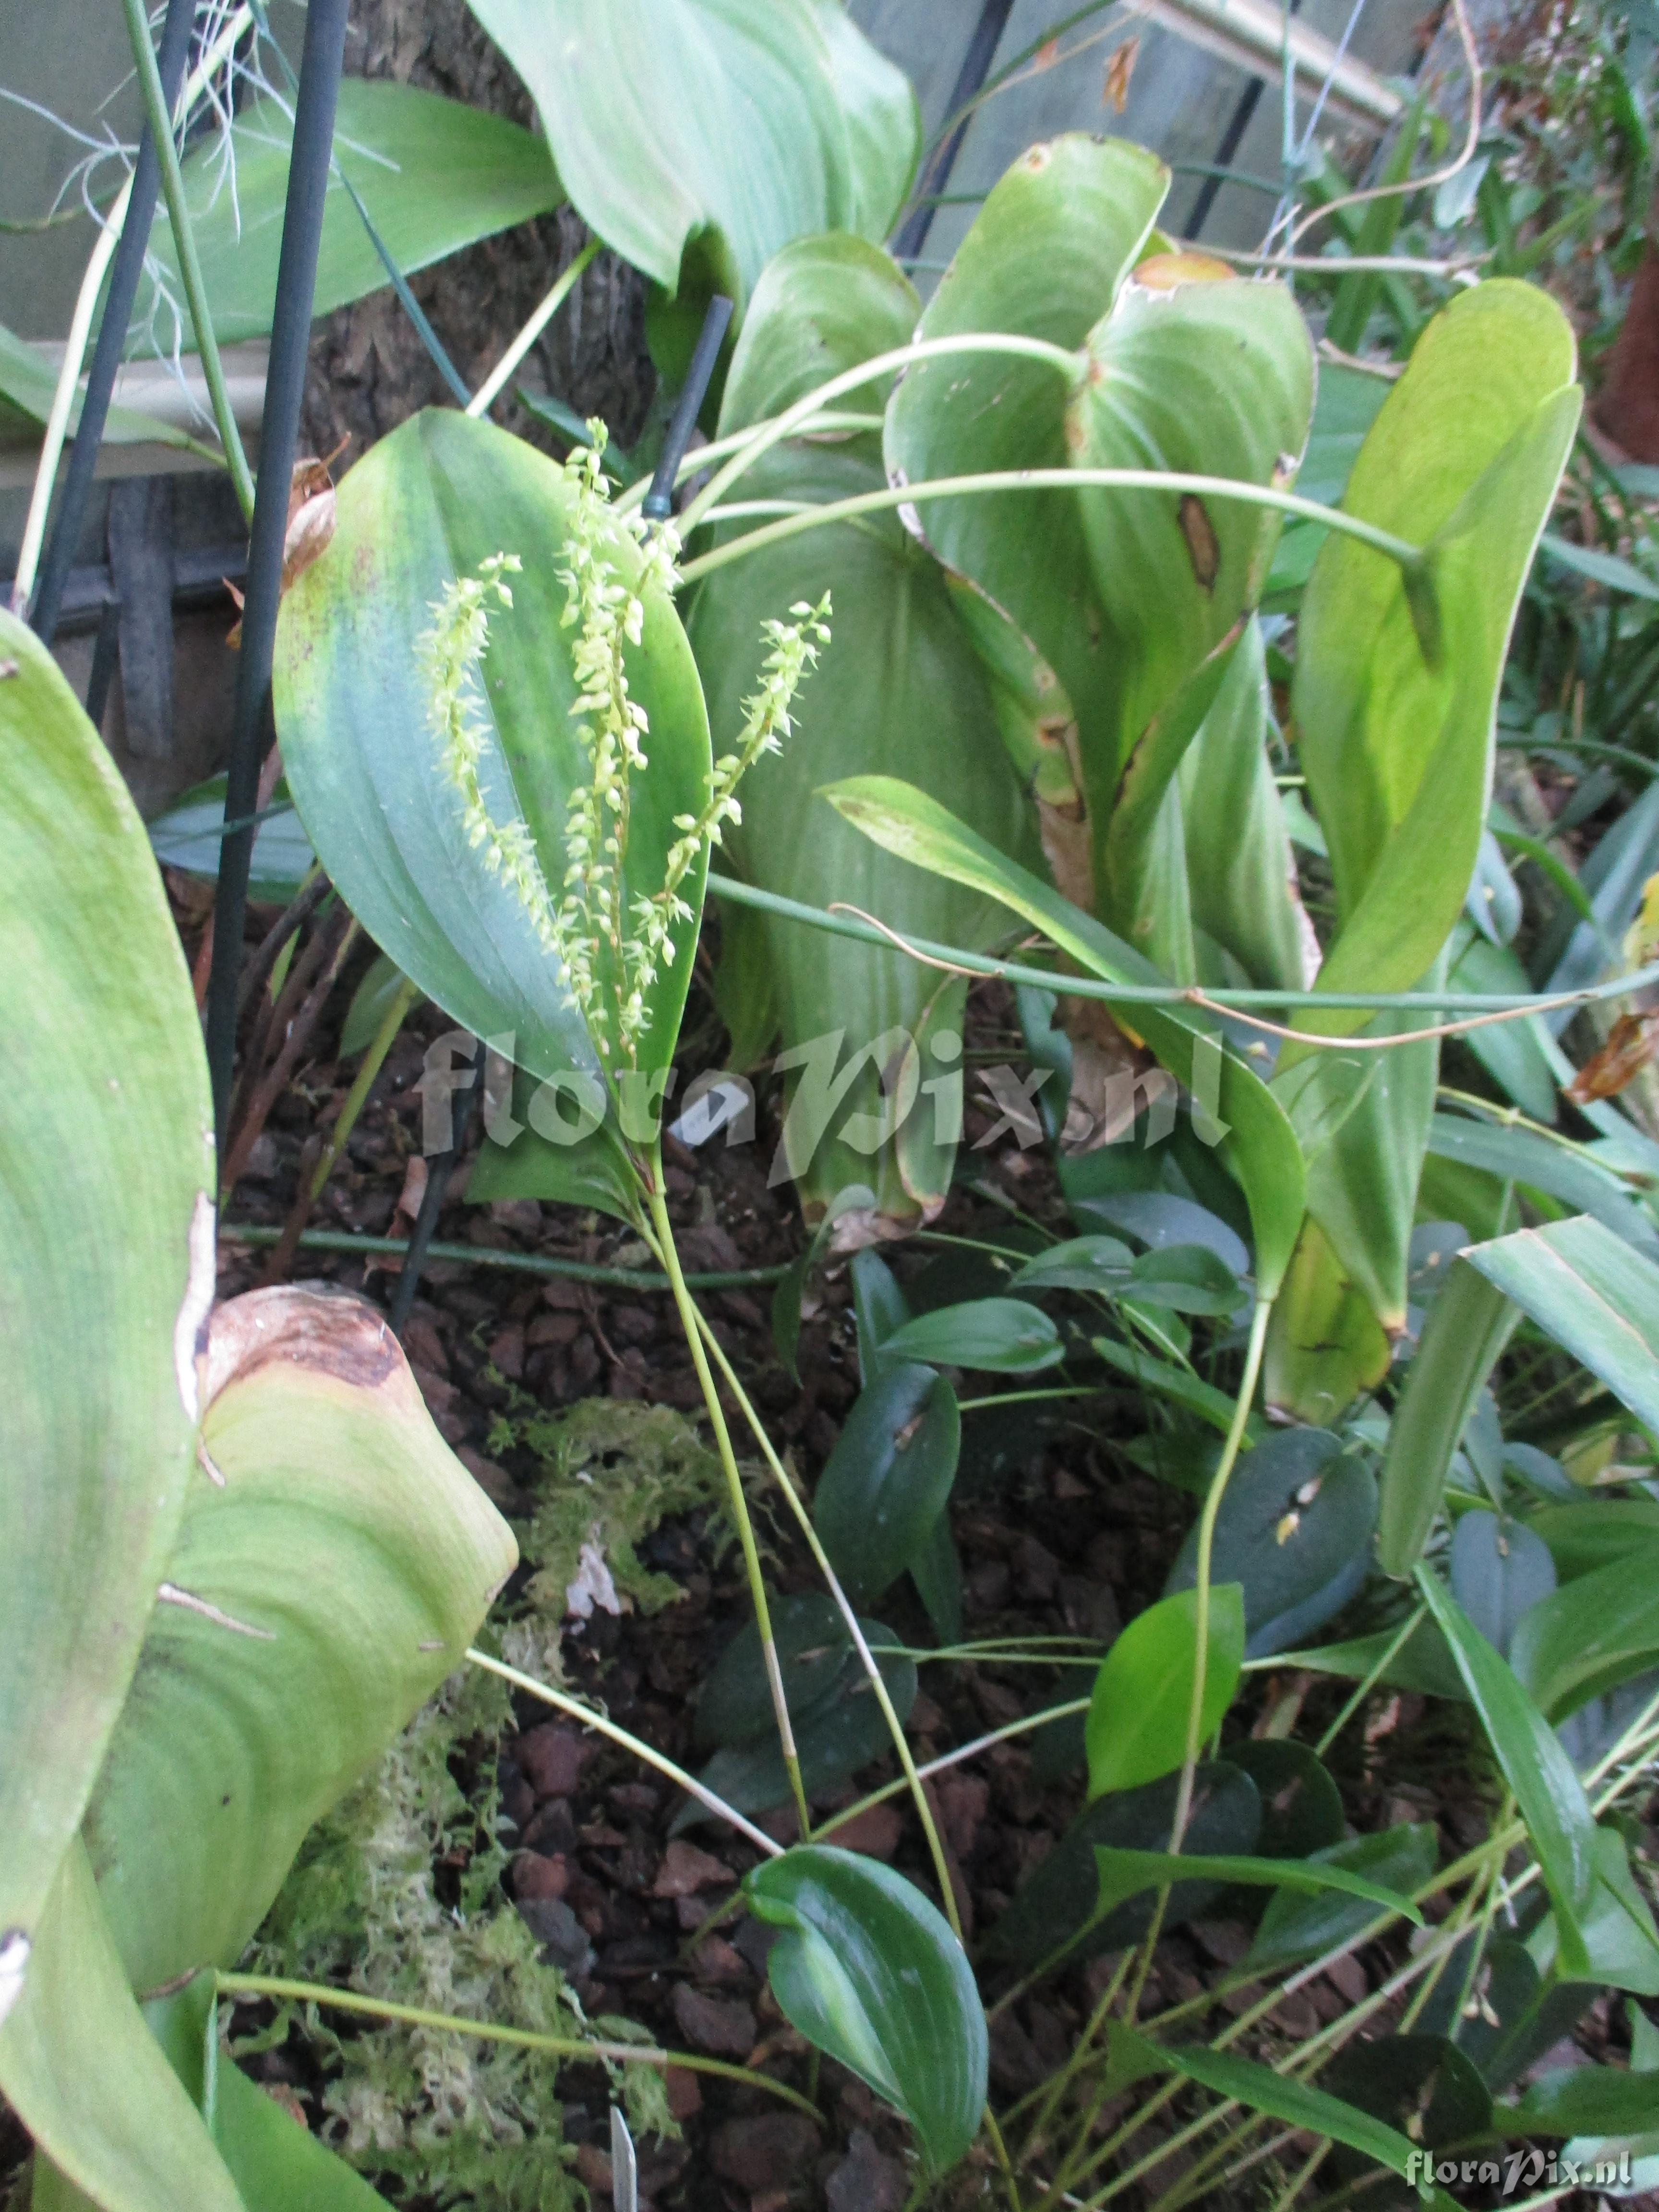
point(886, 1482)
point(107, 1261)
point(738, 124)
point(1588, 2100)
point(1124, 1873)
point(1498, 1569)
point(1255, 1139)
point(1595, 1297)
point(332, 1568)
point(428, 504)
point(1000, 1336)
point(822, 304)
point(1549, 1794)
point(870, 1973)
point(1143, 1692)
point(1303, 1925)
point(1602, 1630)
point(434, 174)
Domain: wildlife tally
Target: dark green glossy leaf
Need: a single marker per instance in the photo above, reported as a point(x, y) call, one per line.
point(1143, 1692)
point(1122, 1874)
point(1301, 1805)
point(728, 125)
point(1178, 1384)
point(1596, 1532)
point(1294, 1927)
point(1294, 1531)
point(1588, 2101)
point(371, 1002)
point(1509, 1052)
point(879, 1307)
point(1158, 1219)
point(1083, 1263)
point(1468, 1325)
point(1186, 1279)
point(870, 1973)
point(1498, 1569)
point(885, 1484)
point(996, 1336)
point(1396, 729)
point(1259, 1146)
point(320, 1591)
point(1423, 1662)
point(822, 304)
point(434, 174)
point(1594, 1295)
point(1499, 2023)
point(936, 1570)
point(813, 1647)
point(1421, 2084)
point(1055, 1909)
point(429, 504)
point(1549, 1794)
point(1601, 1631)
point(106, 1263)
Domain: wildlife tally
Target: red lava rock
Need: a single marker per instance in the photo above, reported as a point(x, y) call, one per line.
point(964, 1801)
point(875, 1831)
point(770, 2200)
point(717, 1961)
point(721, 2026)
point(534, 1875)
point(633, 1800)
point(441, 1402)
point(766, 2152)
point(424, 1346)
point(685, 1869)
point(1036, 1572)
point(552, 1758)
point(551, 1328)
point(925, 1718)
point(506, 1351)
point(593, 2167)
point(866, 2181)
point(522, 1215)
point(684, 2092)
point(496, 1484)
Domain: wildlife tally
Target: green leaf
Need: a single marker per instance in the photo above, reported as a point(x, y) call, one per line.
point(885, 1484)
point(1325, 1345)
point(320, 1591)
point(1549, 1794)
point(1056, 1907)
point(1301, 1927)
point(1178, 1384)
point(1596, 1532)
point(1499, 1570)
point(1280, 2095)
point(729, 125)
point(1422, 2084)
point(1577, 1642)
point(1124, 1873)
point(189, 835)
point(1260, 1146)
point(1606, 569)
point(428, 504)
point(1395, 735)
point(1468, 1325)
point(1240, 870)
point(1083, 1263)
point(28, 380)
point(107, 1261)
point(1423, 1662)
point(1541, 1165)
point(879, 1307)
point(813, 1647)
point(371, 1002)
point(1186, 1279)
point(1510, 1052)
point(1138, 1705)
point(1595, 1297)
point(1301, 1805)
point(82, 2072)
point(898, 685)
point(822, 304)
point(434, 174)
point(1293, 1530)
point(995, 1336)
point(1589, 2100)
point(870, 1973)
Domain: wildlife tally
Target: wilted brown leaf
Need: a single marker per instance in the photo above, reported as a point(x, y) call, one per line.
point(1632, 1043)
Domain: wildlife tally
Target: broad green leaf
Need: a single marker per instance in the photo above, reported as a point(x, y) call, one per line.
point(28, 380)
point(1259, 1145)
point(1549, 1794)
point(885, 1484)
point(1301, 1805)
point(1294, 1531)
point(1325, 1345)
point(1510, 1052)
point(1082, 1263)
point(1422, 2084)
point(81, 2071)
point(812, 1646)
point(189, 834)
point(1305, 1926)
point(1499, 1569)
point(1281, 2096)
point(1540, 1164)
point(897, 686)
point(1186, 1279)
point(435, 175)
point(731, 126)
point(334, 1561)
point(870, 1973)
point(1122, 1874)
point(879, 1307)
point(1588, 2100)
point(106, 1263)
point(1596, 1532)
point(1621, 1945)
point(1467, 1327)
point(999, 1336)
point(822, 304)
point(1055, 1909)
point(371, 1002)
point(1600, 1631)
point(428, 504)
point(1422, 1662)
point(1395, 726)
point(1595, 1297)
point(1143, 1692)
point(1241, 873)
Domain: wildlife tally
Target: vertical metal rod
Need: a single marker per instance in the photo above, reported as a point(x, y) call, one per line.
point(125, 270)
point(975, 67)
point(659, 503)
point(105, 654)
point(290, 336)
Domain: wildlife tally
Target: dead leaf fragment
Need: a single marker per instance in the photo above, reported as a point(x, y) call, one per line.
point(1119, 68)
point(1631, 1043)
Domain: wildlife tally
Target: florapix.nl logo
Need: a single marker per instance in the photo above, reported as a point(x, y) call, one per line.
point(1518, 2173)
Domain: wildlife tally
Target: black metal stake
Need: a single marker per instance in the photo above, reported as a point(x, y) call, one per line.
point(659, 503)
point(439, 1169)
point(290, 336)
point(126, 269)
point(975, 67)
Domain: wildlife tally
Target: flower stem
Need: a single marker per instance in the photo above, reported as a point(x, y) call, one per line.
point(690, 1321)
